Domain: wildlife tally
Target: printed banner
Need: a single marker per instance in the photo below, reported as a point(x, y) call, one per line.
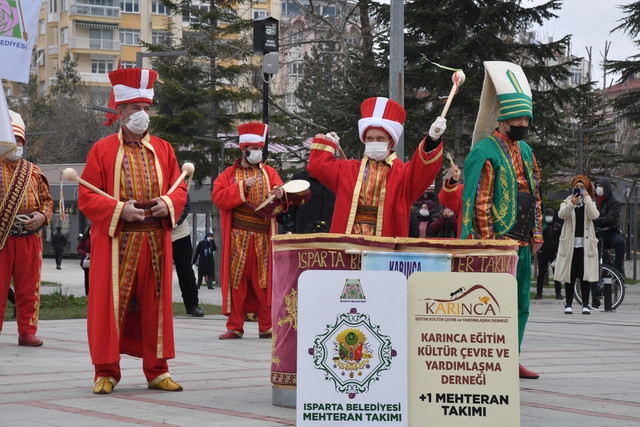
point(463, 350)
point(406, 263)
point(18, 32)
point(352, 348)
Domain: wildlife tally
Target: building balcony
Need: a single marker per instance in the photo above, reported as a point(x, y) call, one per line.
point(94, 78)
point(94, 11)
point(94, 44)
point(54, 50)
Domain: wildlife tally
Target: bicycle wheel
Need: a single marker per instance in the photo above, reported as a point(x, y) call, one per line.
point(609, 275)
point(617, 285)
point(577, 292)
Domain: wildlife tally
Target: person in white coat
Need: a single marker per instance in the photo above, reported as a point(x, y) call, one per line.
point(578, 248)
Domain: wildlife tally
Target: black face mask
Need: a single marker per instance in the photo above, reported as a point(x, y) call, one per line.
point(517, 133)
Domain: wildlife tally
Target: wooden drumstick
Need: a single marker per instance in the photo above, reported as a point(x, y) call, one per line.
point(71, 174)
point(457, 78)
point(187, 170)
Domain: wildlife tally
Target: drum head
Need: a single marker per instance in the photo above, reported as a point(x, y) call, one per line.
point(265, 203)
point(296, 186)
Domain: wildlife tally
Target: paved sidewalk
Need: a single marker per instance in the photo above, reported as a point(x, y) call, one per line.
point(589, 367)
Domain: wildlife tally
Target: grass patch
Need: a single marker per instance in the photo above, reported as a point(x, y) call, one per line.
point(58, 305)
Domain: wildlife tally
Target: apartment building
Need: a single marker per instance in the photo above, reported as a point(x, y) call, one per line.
point(98, 34)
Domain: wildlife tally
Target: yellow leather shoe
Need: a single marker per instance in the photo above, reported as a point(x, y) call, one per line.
point(167, 384)
point(103, 386)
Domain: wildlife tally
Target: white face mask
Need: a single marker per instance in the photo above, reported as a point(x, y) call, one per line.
point(599, 191)
point(377, 151)
point(16, 154)
point(424, 212)
point(138, 122)
point(254, 157)
point(548, 218)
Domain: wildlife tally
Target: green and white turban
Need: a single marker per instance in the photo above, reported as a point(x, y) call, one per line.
point(505, 95)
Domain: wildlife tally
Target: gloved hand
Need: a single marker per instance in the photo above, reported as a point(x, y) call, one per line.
point(333, 137)
point(437, 128)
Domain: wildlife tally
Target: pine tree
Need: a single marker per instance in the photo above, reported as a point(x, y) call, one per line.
point(201, 97)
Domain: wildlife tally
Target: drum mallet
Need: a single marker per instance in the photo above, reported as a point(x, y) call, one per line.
point(71, 174)
point(457, 78)
point(187, 170)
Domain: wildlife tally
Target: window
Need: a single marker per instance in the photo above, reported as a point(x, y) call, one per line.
point(53, 6)
point(289, 8)
point(576, 76)
point(203, 7)
point(102, 66)
point(40, 57)
point(130, 6)
point(159, 9)
point(42, 27)
point(159, 37)
point(65, 6)
point(259, 14)
point(64, 35)
point(129, 37)
point(127, 64)
point(101, 39)
point(294, 69)
point(292, 100)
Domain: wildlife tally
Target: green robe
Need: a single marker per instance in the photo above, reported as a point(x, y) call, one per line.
point(504, 205)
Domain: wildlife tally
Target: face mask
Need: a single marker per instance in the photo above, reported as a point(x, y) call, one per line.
point(254, 157)
point(16, 154)
point(377, 151)
point(548, 218)
point(138, 122)
point(599, 191)
point(517, 133)
point(424, 212)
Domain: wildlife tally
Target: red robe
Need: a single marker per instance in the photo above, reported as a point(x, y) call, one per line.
point(406, 182)
point(228, 194)
point(21, 256)
point(103, 167)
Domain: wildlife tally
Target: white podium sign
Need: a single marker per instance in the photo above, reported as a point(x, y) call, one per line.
point(463, 350)
point(352, 348)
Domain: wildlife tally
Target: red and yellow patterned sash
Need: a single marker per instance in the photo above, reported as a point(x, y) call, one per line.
point(13, 198)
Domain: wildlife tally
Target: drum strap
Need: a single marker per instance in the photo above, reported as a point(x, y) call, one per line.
point(245, 218)
point(366, 214)
point(13, 198)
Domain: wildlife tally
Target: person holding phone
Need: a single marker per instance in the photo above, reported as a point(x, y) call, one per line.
point(578, 247)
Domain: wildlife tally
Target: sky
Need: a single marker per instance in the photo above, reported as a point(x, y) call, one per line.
point(590, 22)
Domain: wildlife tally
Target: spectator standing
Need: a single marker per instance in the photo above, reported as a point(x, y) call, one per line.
point(26, 206)
point(84, 249)
point(182, 250)
point(501, 197)
point(203, 258)
point(446, 225)
point(425, 215)
point(374, 195)
point(130, 309)
point(245, 271)
point(450, 195)
point(548, 251)
point(578, 248)
point(608, 224)
point(59, 242)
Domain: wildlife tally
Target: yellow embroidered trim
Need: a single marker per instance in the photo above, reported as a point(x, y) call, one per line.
point(323, 147)
point(355, 196)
